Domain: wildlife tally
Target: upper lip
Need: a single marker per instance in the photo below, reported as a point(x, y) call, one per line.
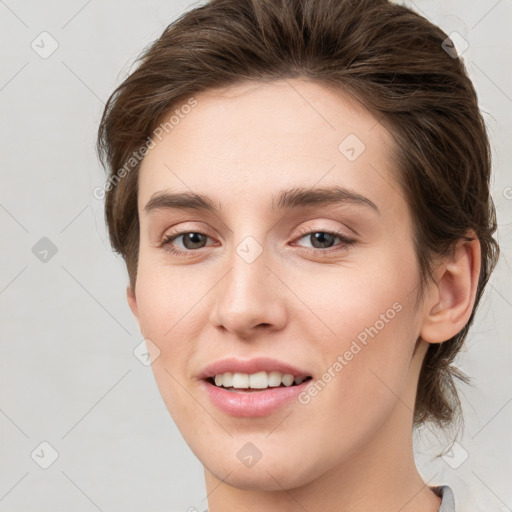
point(259, 364)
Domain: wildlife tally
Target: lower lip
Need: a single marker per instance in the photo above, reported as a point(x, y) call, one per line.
point(253, 403)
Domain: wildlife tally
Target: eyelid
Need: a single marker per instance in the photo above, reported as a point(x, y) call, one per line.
point(335, 231)
point(183, 229)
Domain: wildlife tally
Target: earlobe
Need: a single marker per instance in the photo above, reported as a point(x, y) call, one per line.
point(449, 304)
point(132, 302)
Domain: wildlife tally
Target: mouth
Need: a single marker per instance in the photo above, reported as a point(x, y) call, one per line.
point(254, 402)
point(256, 382)
point(253, 388)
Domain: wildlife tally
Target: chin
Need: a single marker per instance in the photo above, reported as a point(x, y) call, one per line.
point(273, 474)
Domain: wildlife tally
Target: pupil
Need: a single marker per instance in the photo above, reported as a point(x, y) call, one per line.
point(322, 238)
point(191, 239)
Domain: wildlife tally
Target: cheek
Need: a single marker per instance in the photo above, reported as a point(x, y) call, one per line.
point(372, 320)
point(168, 299)
point(372, 292)
point(169, 303)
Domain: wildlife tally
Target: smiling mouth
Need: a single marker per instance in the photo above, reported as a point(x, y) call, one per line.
point(260, 381)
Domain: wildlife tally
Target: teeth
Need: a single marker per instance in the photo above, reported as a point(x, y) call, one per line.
point(287, 379)
point(259, 380)
point(227, 380)
point(240, 380)
point(274, 379)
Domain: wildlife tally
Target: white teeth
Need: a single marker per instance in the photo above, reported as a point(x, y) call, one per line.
point(227, 380)
point(259, 380)
point(287, 379)
point(274, 379)
point(240, 380)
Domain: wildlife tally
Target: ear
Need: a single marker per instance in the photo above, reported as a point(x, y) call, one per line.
point(132, 302)
point(450, 300)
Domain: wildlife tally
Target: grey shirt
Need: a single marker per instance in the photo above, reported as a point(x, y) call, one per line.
point(447, 498)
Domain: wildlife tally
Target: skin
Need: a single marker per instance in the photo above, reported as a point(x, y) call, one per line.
point(350, 448)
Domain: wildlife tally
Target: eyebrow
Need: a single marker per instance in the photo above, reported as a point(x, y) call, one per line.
point(286, 199)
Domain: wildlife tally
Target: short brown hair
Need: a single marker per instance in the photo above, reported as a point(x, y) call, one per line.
point(387, 56)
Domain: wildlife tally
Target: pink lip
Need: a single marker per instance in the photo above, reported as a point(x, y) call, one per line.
point(258, 364)
point(253, 403)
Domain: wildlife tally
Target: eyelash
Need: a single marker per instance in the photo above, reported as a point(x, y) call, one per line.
point(345, 242)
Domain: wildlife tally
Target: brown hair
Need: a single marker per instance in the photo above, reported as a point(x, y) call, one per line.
point(390, 58)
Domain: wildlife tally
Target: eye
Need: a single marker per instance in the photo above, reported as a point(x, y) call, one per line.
point(321, 240)
point(187, 243)
point(191, 240)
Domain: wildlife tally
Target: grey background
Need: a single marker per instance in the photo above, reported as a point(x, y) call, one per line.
point(68, 374)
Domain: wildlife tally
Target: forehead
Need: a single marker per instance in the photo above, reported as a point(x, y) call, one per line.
point(242, 143)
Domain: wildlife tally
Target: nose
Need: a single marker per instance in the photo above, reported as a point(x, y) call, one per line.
point(249, 300)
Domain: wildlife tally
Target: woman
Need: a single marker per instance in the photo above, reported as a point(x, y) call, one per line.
point(300, 190)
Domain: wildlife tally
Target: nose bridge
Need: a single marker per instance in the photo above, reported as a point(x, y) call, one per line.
point(247, 283)
point(247, 296)
point(248, 259)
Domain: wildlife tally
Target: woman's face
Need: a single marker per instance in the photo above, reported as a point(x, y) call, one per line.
point(299, 260)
